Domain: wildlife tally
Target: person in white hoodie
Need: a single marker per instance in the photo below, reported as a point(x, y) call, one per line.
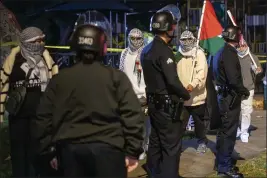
point(187, 53)
point(130, 64)
point(249, 72)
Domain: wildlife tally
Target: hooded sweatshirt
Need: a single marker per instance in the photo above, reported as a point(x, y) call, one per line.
point(247, 70)
point(200, 71)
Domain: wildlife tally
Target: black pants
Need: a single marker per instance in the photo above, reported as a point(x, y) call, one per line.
point(200, 122)
point(94, 160)
point(227, 133)
point(43, 168)
point(165, 143)
point(20, 147)
point(24, 161)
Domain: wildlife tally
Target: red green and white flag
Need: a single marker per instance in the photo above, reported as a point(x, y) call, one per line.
point(210, 30)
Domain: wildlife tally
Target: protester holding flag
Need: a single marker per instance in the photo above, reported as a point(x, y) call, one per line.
point(249, 72)
point(188, 52)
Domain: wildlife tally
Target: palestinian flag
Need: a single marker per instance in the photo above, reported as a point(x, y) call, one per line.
point(210, 30)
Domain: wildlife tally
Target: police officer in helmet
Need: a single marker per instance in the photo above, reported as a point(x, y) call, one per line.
point(91, 114)
point(230, 90)
point(165, 95)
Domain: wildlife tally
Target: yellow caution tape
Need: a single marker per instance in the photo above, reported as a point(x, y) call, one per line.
point(109, 49)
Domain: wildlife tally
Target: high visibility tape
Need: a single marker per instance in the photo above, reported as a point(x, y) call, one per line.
point(109, 49)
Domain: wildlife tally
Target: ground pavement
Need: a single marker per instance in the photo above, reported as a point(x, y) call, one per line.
point(197, 165)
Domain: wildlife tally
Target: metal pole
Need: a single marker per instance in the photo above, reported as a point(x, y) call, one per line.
point(235, 9)
point(244, 18)
point(266, 36)
point(125, 30)
point(110, 21)
point(117, 39)
point(225, 15)
point(246, 29)
point(188, 14)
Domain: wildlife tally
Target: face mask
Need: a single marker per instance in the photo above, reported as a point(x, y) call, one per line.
point(187, 41)
point(135, 39)
point(187, 44)
point(242, 51)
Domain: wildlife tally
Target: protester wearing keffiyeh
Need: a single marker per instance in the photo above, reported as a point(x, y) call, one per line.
point(131, 66)
point(130, 61)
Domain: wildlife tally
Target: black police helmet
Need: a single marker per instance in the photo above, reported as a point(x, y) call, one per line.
point(231, 33)
point(162, 22)
point(88, 38)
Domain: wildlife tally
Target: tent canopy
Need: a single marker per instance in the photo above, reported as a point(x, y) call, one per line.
point(91, 5)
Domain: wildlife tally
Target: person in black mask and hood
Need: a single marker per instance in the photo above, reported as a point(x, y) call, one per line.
point(163, 91)
point(91, 114)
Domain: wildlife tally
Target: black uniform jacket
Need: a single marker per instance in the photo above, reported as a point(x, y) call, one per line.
point(227, 70)
point(159, 69)
point(90, 103)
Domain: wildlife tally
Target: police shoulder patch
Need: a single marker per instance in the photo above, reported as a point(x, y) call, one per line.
point(169, 61)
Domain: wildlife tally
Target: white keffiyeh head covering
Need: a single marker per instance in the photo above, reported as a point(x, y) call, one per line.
point(135, 39)
point(136, 44)
point(187, 41)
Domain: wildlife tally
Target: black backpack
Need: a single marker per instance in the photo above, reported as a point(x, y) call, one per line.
point(16, 96)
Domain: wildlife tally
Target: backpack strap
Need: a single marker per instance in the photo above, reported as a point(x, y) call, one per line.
point(26, 81)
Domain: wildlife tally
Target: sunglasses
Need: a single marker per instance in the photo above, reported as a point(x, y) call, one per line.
point(136, 38)
point(187, 39)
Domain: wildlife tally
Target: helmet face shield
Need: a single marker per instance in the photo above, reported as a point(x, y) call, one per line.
point(97, 19)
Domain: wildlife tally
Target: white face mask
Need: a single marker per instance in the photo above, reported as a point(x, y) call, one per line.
point(187, 41)
point(135, 39)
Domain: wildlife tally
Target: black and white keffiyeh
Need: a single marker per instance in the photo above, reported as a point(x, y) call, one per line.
point(136, 45)
point(187, 41)
point(33, 52)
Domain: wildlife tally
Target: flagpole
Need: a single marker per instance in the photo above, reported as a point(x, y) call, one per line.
point(249, 53)
point(198, 37)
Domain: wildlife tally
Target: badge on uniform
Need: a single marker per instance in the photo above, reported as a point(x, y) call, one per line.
point(169, 61)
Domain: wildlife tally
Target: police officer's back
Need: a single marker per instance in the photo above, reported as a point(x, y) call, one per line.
point(91, 113)
point(230, 89)
point(165, 94)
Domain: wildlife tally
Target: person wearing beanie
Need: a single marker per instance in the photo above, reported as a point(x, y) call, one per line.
point(28, 65)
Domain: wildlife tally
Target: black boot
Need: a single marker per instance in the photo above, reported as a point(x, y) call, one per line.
point(231, 174)
point(148, 171)
point(234, 168)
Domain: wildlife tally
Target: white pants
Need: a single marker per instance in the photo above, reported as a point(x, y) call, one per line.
point(245, 114)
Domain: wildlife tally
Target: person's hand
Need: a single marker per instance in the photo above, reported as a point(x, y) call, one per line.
point(258, 70)
point(54, 163)
point(189, 88)
point(131, 163)
point(246, 94)
point(143, 101)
